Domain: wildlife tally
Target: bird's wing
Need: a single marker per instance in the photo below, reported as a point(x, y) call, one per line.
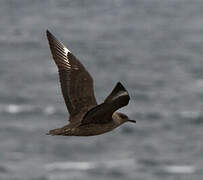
point(76, 82)
point(102, 113)
point(118, 92)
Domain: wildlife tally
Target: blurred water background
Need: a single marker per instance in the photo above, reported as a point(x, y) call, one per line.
point(154, 47)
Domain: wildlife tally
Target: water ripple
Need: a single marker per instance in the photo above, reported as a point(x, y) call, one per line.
point(87, 165)
point(180, 169)
point(26, 108)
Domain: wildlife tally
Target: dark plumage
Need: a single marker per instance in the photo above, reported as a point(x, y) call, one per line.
point(87, 118)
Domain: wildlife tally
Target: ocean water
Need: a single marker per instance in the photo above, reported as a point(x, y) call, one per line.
point(154, 47)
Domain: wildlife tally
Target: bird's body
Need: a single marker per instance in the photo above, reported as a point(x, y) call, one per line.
point(87, 118)
point(91, 129)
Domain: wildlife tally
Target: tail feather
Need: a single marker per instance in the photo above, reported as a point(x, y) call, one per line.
point(55, 132)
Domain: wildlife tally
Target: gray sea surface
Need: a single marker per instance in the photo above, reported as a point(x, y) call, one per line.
point(154, 47)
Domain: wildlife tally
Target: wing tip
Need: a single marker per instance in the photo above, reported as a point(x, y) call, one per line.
point(48, 33)
point(120, 87)
point(120, 84)
point(118, 91)
point(52, 39)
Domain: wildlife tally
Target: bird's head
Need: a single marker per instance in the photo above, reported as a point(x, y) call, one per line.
point(124, 118)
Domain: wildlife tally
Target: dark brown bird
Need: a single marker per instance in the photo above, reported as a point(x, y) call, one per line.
point(87, 118)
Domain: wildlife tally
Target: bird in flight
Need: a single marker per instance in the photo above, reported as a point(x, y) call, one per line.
point(87, 118)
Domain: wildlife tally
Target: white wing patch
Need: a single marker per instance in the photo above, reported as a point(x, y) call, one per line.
point(59, 52)
point(66, 50)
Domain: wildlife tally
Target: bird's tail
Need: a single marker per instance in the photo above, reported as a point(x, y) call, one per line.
point(55, 132)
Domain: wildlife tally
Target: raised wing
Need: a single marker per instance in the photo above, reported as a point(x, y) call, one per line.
point(76, 82)
point(102, 113)
point(118, 93)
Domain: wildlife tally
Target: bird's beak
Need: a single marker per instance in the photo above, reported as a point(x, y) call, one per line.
point(132, 121)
